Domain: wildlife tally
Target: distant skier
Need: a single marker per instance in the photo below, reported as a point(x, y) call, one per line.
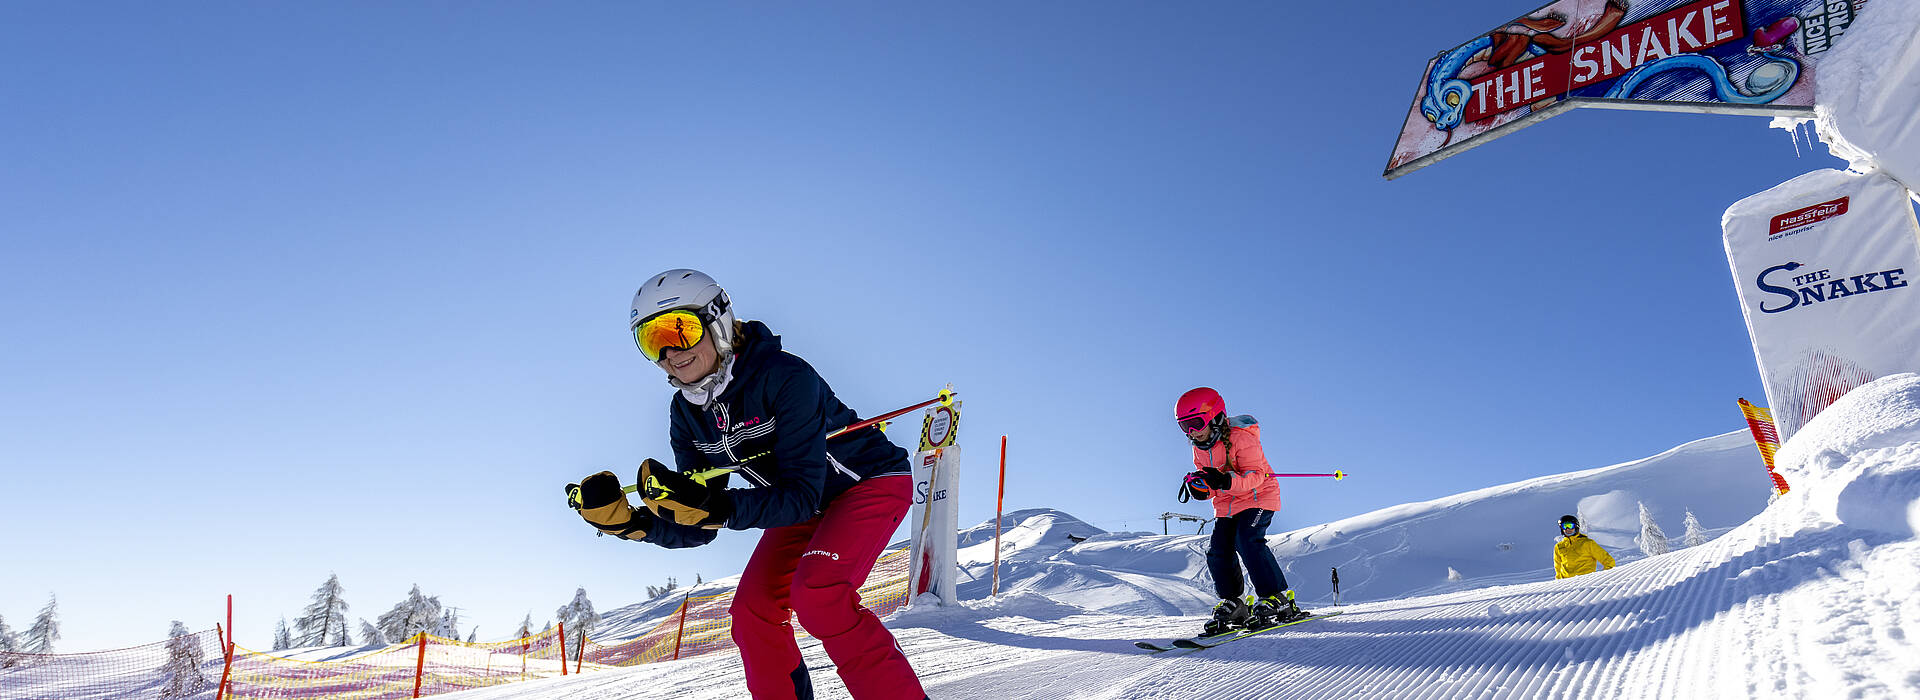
point(746, 407)
point(1575, 553)
point(1231, 469)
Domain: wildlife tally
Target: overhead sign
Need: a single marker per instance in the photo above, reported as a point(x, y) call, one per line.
point(1723, 56)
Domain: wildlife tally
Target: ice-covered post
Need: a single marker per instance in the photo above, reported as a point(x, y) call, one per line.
point(936, 467)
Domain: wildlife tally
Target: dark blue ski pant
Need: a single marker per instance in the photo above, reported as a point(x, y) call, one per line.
point(1243, 538)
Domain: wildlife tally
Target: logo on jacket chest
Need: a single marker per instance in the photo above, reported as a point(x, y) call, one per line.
point(720, 421)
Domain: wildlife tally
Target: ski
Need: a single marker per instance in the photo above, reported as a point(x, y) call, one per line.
point(1197, 643)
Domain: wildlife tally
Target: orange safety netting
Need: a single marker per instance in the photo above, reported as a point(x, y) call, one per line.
point(1766, 437)
point(191, 666)
point(187, 666)
point(703, 624)
point(430, 664)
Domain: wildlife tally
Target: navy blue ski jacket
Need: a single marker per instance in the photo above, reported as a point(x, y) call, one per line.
point(771, 424)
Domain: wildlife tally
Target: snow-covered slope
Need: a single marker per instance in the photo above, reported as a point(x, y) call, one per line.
point(1810, 598)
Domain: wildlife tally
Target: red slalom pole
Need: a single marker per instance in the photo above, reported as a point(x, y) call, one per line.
point(999, 505)
point(227, 672)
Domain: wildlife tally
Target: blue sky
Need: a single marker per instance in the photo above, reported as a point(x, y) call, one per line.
point(298, 290)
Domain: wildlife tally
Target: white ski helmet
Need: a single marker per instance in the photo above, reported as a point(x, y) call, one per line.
point(686, 289)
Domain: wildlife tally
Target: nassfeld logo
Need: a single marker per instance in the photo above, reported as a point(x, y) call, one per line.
point(1806, 217)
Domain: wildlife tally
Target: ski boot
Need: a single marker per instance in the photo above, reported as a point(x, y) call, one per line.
point(1274, 610)
point(1229, 615)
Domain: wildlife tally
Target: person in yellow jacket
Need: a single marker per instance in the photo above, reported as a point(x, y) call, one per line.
point(1575, 554)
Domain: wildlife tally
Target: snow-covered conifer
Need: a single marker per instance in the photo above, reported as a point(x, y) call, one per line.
point(370, 634)
point(282, 637)
point(182, 667)
point(1653, 541)
point(418, 613)
point(1695, 534)
point(45, 630)
point(526, 627)
point(325, 618)
point(9, 646)
point(474, 636)
point(449, 626)
point(579, 617)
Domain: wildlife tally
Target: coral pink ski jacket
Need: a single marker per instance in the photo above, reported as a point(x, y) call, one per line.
point(1239, 454)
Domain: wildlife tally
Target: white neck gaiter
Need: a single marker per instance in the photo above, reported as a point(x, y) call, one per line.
point(707, 387)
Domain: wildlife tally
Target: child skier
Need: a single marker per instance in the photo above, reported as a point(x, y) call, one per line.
point(745, 407)
point(1575, 553)
point(1232, 471)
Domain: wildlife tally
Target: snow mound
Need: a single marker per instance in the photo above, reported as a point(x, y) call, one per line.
point(1858, 462)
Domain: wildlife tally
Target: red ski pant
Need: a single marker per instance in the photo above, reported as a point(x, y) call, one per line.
point(814, 571)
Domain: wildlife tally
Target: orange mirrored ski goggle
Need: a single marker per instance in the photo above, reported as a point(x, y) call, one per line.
point(678, 329)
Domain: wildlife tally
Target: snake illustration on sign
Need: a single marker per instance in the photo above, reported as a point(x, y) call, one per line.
point(1721, 56)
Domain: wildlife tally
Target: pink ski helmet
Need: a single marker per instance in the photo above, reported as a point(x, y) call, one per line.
point(1199, 408)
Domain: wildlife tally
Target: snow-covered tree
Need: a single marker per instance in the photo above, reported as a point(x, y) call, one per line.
point(282, 637)
point(9, 646)
point(474, 636)
point(579, 617)
point(45, 630)
point(1695, 534)
point(418, 613)
point(449, 626)
point(657, 591)
point(370, 634)
point(325, 618)
point(526, 627)
point(182, 667)
point(1653, 541)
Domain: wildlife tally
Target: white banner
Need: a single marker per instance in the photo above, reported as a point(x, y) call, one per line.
point(936, 525)
point(1824, 265)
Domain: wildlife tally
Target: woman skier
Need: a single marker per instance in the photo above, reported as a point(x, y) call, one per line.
point(1232, 471)
point(745, 407)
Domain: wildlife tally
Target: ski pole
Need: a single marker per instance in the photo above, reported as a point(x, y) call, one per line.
point(945, 399)
point(1337, 475)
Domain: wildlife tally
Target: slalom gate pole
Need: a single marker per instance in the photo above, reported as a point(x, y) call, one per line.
point(999, 505)
point(682, 631)
point(420, 664)
point(227, 672)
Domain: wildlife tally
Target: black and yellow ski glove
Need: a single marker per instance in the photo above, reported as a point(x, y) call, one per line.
point(603, 504)
point(685, 498)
